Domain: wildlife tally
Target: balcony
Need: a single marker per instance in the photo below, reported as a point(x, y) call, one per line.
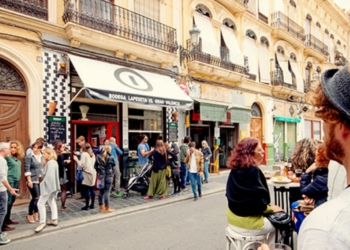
point(315, 48)
point(288, 30)
point(339, 59)
point(282, 89)
point(102, 24)
point(33, 8)
point(203, 63)
point(234, 6)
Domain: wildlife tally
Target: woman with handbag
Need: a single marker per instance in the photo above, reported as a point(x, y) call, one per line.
point(63, 172)
point(158, 183)
point(48, 189)
point(247, 192)
point(87, 163)
point(32, 172)
point(105, 168)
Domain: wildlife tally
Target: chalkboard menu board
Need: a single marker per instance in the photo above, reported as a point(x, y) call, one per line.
point(57, 129)
point(172, 129)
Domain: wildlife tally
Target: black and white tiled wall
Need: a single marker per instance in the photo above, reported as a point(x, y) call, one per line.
point(55, 89)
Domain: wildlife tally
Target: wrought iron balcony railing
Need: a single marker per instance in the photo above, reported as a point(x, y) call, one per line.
point(277, 79)
point(279, 20)
point(263, 18)
point(110, 18)
point(196, 54)
point(313, 42)
point(33, 8)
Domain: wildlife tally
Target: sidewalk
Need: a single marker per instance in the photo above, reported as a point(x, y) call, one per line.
point(74, 216)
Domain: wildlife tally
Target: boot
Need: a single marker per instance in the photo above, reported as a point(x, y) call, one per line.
point(200, 194)
point(108, 209)
point(30, 218)
point(102, 208)
point(36, 217)
point(92, 206)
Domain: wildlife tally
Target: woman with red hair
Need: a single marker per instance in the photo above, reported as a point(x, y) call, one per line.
point(247, 192)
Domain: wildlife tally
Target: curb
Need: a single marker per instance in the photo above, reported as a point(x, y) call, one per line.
point(103, 216)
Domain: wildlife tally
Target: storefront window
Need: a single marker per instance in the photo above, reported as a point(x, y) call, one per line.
point(148, 122)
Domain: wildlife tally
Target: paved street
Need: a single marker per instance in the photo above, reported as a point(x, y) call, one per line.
point(182, 225)
point(73, 216)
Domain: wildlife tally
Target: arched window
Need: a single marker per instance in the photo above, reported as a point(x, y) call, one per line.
point(280, 50)
point(256, 111)
point(263, 40)
point(10, 80)
point(250, 34)
point(204, 10)
point(229, 23)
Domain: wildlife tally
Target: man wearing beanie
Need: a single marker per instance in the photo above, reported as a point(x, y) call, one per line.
point(328, 226)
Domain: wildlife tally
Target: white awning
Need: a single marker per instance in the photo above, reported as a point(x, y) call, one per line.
point(209, 43)
point(111, 82)
point(283, 63)
point(251, 51)
point(236, 56)
point(264, 64)
point(299, 78)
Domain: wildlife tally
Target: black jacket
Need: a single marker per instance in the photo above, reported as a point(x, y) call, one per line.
point(105, 168)
point(247, 192)
point(62, 166)
point(314, 185)
point(160, 161)
point(206, 154)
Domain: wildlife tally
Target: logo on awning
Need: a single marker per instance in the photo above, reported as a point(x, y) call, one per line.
point(132, 79)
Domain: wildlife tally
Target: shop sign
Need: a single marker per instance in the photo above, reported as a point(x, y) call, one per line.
point(57, 129)
point(172, 131)
point(241, 116)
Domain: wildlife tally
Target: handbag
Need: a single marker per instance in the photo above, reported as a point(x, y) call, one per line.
point(280, 220)
point(100, 184)
point(79, 176)
point(168, 171)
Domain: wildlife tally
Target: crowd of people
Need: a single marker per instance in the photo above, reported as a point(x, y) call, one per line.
point(323, 222)
point(47, 172)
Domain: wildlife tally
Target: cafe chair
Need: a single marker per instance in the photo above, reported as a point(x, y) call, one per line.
point(214, 167)
point(243, 242)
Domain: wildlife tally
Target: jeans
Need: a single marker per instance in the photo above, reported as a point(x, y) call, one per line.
point(51, 200)
point(35, 193)
point(103, 196)
point(206, 170)
point(3, 208)
point(117, 179)
point(10, 199)
point(183, 174)
point(195, 177)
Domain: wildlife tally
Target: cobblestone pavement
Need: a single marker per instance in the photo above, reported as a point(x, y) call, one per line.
point(75, 216)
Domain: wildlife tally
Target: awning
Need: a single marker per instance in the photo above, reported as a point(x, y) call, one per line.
point(287, 119)
point(111, 82)
point(211, 110)
point(217, 111)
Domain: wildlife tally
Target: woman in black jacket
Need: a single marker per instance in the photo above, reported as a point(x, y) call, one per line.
point(158, 183)
point(247, 192)
point(63, 172)
point(104, 166)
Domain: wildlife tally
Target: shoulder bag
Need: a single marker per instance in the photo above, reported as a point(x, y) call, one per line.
point(279, 220)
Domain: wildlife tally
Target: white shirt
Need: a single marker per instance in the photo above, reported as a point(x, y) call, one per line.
point(3, 173)
point(193, 164)
point(328, 226)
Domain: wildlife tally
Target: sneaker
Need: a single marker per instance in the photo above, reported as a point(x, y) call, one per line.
point(118, 195)
point(40, 227)
point(195, 198)
point(148, 197)
point(53, 223)
point(162, 197)
point(3, 234)
point(7, 228)
point(3, 240)
point(205, 181)
point(184, 189)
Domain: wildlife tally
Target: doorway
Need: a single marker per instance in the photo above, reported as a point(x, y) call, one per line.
point(228, 140)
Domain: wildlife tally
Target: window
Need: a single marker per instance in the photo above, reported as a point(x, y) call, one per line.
point(264, 60)
point(148, 8)
point(101, 10)
point(252, 7)
point(313, 129)
point(250, 50)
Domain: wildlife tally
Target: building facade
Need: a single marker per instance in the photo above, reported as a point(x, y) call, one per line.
point(124, 68)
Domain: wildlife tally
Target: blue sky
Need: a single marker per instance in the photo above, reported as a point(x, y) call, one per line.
point(344, 4)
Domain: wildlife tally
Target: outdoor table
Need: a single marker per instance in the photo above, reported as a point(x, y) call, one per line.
point(281, 198)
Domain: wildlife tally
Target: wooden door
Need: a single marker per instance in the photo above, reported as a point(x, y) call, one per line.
point(14, 126)
point(256, 128)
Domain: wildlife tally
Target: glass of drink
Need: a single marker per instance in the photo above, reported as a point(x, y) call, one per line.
point(279, 246)
point(298, 172)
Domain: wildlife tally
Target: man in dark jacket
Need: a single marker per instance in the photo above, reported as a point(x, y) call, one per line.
point(183, 166)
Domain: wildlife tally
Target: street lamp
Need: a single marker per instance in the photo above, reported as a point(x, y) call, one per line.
point(194, 34)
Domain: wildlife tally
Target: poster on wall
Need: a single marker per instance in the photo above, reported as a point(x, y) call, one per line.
point(57, 129)
point(172, 129)
point(98, 135)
